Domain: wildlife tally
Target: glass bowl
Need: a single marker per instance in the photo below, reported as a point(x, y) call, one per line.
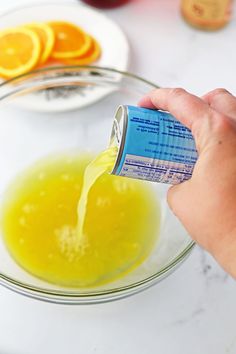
point(62, 108)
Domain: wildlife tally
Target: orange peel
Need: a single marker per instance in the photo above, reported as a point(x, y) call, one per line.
point(19, 51)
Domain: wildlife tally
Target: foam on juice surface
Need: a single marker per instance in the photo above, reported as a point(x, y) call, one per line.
point(40, 222)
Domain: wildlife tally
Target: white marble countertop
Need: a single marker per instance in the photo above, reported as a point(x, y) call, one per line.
point(193, 310)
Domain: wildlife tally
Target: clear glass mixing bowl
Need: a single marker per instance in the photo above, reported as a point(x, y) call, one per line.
point(58, 109)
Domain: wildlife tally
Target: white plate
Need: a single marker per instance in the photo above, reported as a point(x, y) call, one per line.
point(115, 48)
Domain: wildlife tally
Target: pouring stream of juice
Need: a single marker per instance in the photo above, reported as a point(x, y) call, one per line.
point(101, 164)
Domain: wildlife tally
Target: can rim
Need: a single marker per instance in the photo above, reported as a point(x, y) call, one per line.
point(120, 121)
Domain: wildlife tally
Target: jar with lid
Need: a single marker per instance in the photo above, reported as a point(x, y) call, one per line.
point(207, 14)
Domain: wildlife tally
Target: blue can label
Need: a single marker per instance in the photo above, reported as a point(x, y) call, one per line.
point(153, 146)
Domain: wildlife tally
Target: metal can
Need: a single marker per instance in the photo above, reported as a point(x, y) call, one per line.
point(152, 145)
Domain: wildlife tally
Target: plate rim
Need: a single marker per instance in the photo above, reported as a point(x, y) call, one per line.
point(123, 66)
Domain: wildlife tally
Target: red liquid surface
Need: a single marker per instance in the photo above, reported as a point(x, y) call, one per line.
point(105, 4)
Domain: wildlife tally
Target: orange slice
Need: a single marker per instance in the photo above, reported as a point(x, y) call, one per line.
point(51, 61)
point(70, 40)
point(92, 54)
point(47, 39)
point(19, 51)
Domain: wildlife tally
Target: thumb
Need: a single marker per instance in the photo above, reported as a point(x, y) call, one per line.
point(178, 200)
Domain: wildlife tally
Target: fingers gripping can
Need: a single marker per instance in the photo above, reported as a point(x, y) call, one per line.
point(152, 145)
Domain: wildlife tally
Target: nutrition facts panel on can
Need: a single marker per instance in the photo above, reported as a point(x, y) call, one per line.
point(155, 170)
point(156, 147)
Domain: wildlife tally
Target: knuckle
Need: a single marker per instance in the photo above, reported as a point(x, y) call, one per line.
point(219, 91)
point(177, 91)
point(223, 124)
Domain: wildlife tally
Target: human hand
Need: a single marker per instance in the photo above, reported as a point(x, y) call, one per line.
point(206, 203)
